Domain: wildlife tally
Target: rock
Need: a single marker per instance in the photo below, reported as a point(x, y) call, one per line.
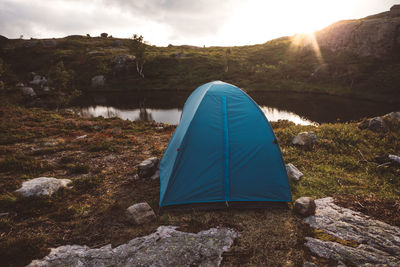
point(375, 35)
point(378, 242)
point(393, 116)
point(140, 213)
point(395, 159)
point(304, 206)
point(81, 137)
point(309, 264)
point(305, 139)
point(28, 91)
point(122, 63)
point(98, 81)
point(293, 172)
point(42, 186)
point(147, 168)
point(155, 176)
point(375, 124)
point(165, 247)
point(38, 80)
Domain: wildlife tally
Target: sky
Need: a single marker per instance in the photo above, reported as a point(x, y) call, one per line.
point(178, 22)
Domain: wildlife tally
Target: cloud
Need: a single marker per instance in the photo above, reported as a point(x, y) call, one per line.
point(183, 17)
point(169, 19)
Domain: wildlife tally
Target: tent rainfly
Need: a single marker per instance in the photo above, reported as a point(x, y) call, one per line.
point(223, 150)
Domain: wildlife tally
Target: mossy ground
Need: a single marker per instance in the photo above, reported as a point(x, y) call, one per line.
point(37, 142)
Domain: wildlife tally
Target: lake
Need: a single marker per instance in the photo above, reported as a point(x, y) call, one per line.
point(166, 107)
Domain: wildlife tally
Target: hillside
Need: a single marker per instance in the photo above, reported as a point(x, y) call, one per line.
point(343, 63)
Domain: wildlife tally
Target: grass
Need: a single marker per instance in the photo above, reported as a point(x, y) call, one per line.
point(277, 65)
point(92, 212)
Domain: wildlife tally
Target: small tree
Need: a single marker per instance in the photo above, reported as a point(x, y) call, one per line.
point(62, 80)
point(138, 47)
point(59, 77)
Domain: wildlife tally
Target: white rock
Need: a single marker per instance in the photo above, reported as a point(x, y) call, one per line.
point(28, 91)
point(38, 80)
point(165, 247)
point(393, 115)
point(305, 138)
point(140, 213)
point(293, 172)
point(394, 158)
point(42, 186)
point(81, 137)
point(379, 243)
point(147, 167)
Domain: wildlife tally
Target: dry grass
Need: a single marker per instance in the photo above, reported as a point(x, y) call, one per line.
point(102, 167)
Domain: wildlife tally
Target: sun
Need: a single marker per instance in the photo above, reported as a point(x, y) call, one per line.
point(256, 21)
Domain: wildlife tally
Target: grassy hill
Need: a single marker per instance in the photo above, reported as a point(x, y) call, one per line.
point(278, 65)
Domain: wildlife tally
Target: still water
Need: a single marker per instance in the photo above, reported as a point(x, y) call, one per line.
point(166, 107)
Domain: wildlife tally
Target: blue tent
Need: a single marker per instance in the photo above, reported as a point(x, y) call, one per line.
point(223, 150)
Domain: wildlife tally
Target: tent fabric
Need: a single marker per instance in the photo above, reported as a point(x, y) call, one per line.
point(223, 150)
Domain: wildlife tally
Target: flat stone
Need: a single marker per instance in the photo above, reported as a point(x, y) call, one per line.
point(140, 213)
point(293, 172)
point(304, 206)
point(42, 186)
point(305, 139)
point(147, 167)
point(165, 247)
point(379, 243)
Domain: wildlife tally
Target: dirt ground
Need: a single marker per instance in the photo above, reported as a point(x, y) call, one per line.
point(102, 165)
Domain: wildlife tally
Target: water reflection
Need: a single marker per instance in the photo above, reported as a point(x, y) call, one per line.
point(165, 106)
point(172, 116)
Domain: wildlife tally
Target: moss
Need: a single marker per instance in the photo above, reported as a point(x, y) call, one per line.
point(327, 237)
point(23, 164)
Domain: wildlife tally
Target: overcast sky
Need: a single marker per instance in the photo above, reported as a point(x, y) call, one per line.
point(194, 22)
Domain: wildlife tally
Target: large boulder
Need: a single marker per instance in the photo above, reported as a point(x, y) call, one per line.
point(165, 247)
point(38, 80)
point(27, 91)
point(140, 213)
point(375, 36)
point(98, 81)
point(305, 139)
point(293, 172)
point(147, 167)
point(304, 206)
point(375, 124)
point(393, 116)
point(375, 243)
point(42, 186)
